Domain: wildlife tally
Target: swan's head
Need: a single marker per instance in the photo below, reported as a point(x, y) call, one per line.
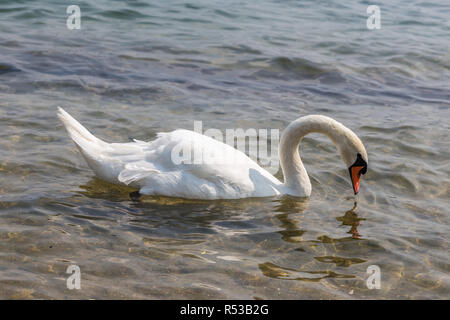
point(354, 156)
point(358, 168)
point(350, 147)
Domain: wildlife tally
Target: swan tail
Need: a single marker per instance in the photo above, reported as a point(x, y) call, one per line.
point(79, 134)
point(92, 148)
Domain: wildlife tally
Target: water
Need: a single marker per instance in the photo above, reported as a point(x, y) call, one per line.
point(139, 67)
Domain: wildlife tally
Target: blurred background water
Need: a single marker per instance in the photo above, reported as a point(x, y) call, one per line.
point(139, 67)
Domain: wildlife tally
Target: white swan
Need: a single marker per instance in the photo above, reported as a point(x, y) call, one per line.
point(149, 166)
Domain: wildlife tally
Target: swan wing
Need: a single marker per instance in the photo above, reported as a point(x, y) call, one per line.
point(180, 163)
point(184, 163)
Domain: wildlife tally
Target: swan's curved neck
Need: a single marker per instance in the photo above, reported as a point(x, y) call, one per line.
point(296, 178)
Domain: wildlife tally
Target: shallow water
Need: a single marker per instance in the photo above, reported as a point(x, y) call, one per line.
point(140, 67)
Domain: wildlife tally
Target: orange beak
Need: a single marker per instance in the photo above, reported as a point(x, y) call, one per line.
point(355, 175)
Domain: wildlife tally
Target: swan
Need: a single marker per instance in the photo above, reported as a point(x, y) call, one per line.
point(150, 166)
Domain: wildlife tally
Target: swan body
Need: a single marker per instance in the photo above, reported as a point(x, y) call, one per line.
point(150, 166)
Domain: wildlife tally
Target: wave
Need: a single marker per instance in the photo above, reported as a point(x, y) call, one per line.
point(6, 68)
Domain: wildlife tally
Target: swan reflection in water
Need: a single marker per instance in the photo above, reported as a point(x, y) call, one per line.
point(290, 221)
point(290, 218)
point(289, 210)
point(244, 229)
point(350, 218)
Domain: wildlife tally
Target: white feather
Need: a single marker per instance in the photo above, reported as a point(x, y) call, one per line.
point(229, 173)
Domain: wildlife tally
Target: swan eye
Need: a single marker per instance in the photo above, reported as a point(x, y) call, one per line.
point(360, 162)
point(363, 170)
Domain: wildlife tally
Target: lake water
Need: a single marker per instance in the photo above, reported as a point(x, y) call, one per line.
point(136, 68)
